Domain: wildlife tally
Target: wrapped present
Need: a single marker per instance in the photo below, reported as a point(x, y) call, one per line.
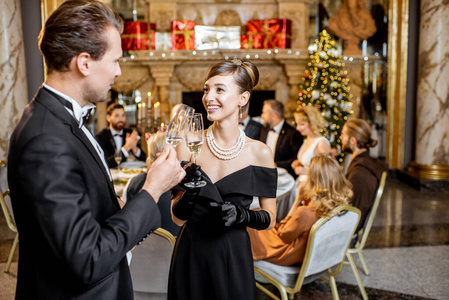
point(183, 35)
point(217, 37)
point(273, 33)
point(251, 41)
point(138, 35)
point(163, 41)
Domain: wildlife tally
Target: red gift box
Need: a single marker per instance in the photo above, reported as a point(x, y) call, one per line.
point(273, 33)
point(183, 35)
point(251, 41)
point(138, 35)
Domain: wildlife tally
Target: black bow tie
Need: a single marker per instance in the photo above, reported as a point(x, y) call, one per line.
point(118, 134)
point(241, 123)
point(69, 105)
point(271, 129)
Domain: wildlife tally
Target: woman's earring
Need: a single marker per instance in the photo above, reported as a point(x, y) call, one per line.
point(240, 112)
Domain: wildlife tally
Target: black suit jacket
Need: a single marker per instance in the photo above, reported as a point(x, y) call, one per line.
point(287, 146)
point(106, 141)
point(73, 235)
point(252, 129)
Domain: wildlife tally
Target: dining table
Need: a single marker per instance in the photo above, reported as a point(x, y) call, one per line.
point(122, 174)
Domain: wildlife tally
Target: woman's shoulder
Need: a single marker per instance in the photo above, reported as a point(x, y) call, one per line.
point(260, 153)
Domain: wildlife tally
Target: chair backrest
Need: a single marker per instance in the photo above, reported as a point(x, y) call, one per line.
point(328, 241)
point(5, 200)
point(372, 212)
point(150, 264)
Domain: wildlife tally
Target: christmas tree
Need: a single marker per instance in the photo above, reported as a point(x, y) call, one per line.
point(325, 85)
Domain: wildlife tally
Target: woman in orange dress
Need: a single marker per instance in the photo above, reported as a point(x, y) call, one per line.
point(324, 189)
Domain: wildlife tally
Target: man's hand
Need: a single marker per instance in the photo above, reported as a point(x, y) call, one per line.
point(164, 174)
point(131, 141)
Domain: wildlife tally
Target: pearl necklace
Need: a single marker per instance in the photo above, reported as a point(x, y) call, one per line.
point(222, 153)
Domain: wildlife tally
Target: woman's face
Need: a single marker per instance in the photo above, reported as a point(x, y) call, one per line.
point(304, 128)
point(221, 98)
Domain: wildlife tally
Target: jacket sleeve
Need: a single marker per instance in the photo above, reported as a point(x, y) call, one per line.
point(61, 202)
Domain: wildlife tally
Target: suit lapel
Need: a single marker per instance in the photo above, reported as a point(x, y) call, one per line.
point(45, 98)
point(281, 137)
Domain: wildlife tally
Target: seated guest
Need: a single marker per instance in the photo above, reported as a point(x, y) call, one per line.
point(248, 125)
point(156, 144)
point(116, 137)
point(282, 138)
point(324, 189)
point(309, 123)
point(363, 171)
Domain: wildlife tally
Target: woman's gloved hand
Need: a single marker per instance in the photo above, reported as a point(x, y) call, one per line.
point(238, 215)
point(183, 207)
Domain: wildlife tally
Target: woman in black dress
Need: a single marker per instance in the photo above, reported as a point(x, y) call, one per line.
point(212, 257)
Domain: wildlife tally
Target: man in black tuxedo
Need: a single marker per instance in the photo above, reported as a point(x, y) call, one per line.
point(116, 137)
point(283, 139)
point(250, 127)
point(74, 236)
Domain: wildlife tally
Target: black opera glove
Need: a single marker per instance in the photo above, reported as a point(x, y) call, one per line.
point(183, 208)
point(238, 215)
point(193, 173)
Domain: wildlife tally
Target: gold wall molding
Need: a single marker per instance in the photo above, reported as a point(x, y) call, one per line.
point(398, 13)
point(429, 172)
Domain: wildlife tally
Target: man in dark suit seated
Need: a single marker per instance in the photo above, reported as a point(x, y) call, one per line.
point(283, 139)
point(74, 237)
point(250, 127)
point(116, 137)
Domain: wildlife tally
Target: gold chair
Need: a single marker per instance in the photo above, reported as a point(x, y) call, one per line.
point(150, 265)
point(362, 236)
point(328, 241)
point(7, 211)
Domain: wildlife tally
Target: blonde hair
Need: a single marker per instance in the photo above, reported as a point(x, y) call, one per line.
point(312, 115)
point(325, 186)
point(156, 143)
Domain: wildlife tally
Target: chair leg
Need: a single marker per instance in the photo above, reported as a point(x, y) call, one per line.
point(11, 253)
point(266, 291)
point(362, 260)
point(334, 290)
point(357, 276)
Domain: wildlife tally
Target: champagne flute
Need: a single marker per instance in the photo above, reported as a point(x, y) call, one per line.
point(194, 141)
point(178, 125)
point(118, 158)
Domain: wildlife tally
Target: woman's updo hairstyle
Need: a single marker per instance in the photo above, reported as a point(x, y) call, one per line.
point(246, 74)
point(361, 131)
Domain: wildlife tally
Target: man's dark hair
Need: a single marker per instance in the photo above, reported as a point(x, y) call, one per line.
point(76, 26)
point(276, 106)
point(112, 107)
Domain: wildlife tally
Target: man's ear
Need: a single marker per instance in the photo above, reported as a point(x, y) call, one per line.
point(244, 98)
point(352, 141)
point(82, 62)
point(108, 118)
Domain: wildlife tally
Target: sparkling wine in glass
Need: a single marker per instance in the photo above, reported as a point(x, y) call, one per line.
point(179, 123)
point(118, 158)
point(194, 141)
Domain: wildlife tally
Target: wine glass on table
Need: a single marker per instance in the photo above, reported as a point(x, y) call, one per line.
point(118, 158)
point(179, 123)
point(194, 141)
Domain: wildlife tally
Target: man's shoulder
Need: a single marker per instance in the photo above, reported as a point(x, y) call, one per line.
point(254, 123)
point(104, 132)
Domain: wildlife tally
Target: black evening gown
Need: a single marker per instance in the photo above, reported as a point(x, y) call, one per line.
point(211, 261)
